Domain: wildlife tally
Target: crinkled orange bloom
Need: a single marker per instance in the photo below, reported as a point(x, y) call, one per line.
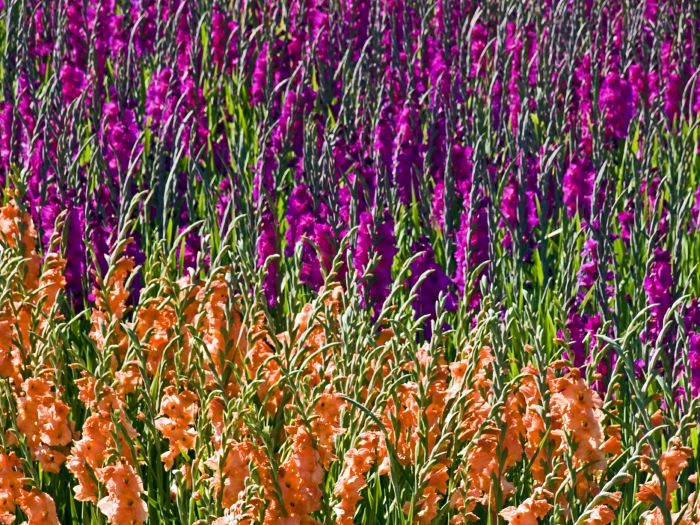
point(123, 504)
point(436, 391)
point(25, 310)
point(470, 385)
point(52, 281)
point(600, 515)
point(155, 328)
point(17, 231)
point(115, 292)
point(529, 512)
point(311, 339)
point(43, 420)
point(97, 442)
point(434, 490)
point(178, 412)
point(232, 466)
point(325, 425)
point(299, 478)
point(404, 408)
point(110, 306)
point(576, 411)
point(263, 367)
point(11, 477)
point(576, 407)
point(613, 445)
point(39, 508)
point(377, 368)
point(672, 462)
point(689, 515)
point(128, 379)
point(10, 355)
point(240, 513)
point(357, 462)
point(89, 453)
point(97, 396)
point(220, 324)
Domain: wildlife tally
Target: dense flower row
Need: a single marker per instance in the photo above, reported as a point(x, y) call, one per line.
point(359, 261)
point(496, 141)
point(259, 423)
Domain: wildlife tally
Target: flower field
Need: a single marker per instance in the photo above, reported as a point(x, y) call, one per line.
point(376, 262)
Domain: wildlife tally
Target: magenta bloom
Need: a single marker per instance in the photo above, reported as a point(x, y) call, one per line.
point(73, 82)
point(472, 246)
point(300, 217)
point(577, 187)
point(658, 285)
point(616, 103)
point(267, 246)
point(375, 238)
point(435, 283)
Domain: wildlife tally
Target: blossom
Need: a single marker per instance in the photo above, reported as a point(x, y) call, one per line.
point(266, 247)
point(178, 411)
point(577, 186)
point(73, 82)
point(434, 284)
point(658, 285)
point(39, 508)
point(123, 504)
point(671, 464)
point(616, 103)
point(357, 462)
point(527, 513)
point(472, 246)
point(375, 280)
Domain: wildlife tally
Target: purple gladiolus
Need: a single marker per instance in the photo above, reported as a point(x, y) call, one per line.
point(300, 211)
point(616, 102)
point(472, 247)
point(266, 247)
point(375, 280)
point(119, 135)
point(73, 82)
point(658, 285)
point(578, 187)
point(434, 284)
point(579, 327)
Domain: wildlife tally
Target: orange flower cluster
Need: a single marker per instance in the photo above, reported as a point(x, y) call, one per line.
point(155, 327)
point(292, 491)
point(231, 470)
point(179, 411)
point(671, 463)
point(495, 435)
point(26, 311)
point(17, 231)
point(299, 478)
point(688, 515)
point(603, 513)
point(123, 504)
point(106, 433)
point(262, 411)
point(110, 306)
point(574, 420)
point(528, 512)
point(358, 461)
point(262, 367)
point(225, 338)
point(38, 506)
point(43, 420)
